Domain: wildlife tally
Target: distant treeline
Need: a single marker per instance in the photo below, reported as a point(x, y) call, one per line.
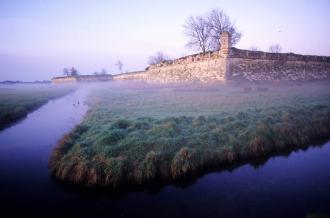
point(23, 82)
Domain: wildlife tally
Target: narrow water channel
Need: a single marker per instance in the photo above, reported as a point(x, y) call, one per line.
point(284, 186)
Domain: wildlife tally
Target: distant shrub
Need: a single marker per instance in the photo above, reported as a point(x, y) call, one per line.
point(113, 136)
point(80, 129)
point(142, 125)
point(121, 124)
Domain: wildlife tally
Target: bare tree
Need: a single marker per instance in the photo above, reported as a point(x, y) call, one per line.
point(204, 32)
point(119, 64)
point(276, 48)
point(70, 72)
point(198, 32)
point(73, 72)
point(158, 58)
point(104, 72)
point(219, 22)
point(254, 48)
point(66, 72)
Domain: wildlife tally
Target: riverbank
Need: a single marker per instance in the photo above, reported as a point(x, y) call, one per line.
point(16, 101)
point(137, 135)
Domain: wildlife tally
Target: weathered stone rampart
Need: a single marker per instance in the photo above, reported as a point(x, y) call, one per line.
point(227, 64)
point(82, 78)
point(195, 68)
point(136, 76)
point(244, 65)
point(64, 79)
point(206, 67)
point(232, 64)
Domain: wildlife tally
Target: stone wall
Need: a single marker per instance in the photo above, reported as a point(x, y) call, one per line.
point(206, 67)
point(202, 70)
point(136, 76)
point(230, 64)
point(244, 65)
point(64, 79)
point(94, 78)
point(241, 65)
point(82, 78)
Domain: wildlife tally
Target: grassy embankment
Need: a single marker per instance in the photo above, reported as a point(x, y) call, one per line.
point(16, 101)
point(134, 136)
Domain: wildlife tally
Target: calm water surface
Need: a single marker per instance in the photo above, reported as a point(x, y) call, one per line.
point(291, 186)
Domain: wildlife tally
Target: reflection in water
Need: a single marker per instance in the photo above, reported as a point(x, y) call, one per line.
point(291, 186)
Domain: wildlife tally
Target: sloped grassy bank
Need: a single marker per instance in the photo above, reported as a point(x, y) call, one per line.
point(16, 101)
point(118, 145)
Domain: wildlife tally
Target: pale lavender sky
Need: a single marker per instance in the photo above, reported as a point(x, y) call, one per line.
point(38, 37)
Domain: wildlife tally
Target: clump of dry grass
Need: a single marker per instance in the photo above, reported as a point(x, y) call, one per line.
point(60, 150)
point(184, 162)
point(228, 154)
point(148, 168)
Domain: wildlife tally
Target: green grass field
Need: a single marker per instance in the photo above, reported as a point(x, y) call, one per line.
point(134, 134)
point(16, 101)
